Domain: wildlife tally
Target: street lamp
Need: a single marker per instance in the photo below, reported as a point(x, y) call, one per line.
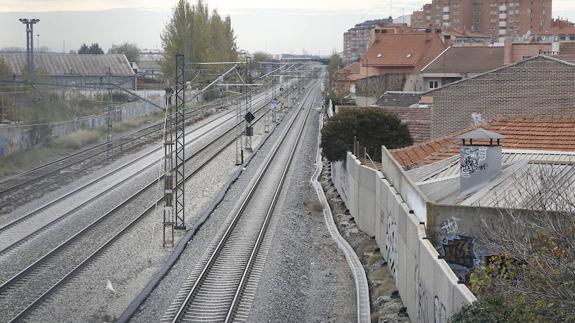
point(30, 44)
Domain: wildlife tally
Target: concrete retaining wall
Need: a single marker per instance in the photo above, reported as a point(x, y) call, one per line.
point(390, 207)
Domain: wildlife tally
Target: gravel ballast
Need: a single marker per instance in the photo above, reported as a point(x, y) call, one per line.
point(306, 277)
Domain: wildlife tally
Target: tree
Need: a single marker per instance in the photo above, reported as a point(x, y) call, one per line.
point(197, 34)
point(373, 128)
point(335, 63)
point(5, 71)
point(261, 57)
point(5, 100)
point(532, 270)
point(131, 51)
point(93, 49)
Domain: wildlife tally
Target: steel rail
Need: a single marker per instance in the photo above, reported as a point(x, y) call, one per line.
point(264, 228)
point(228, 116)
point(121, 141)
point(56, 220)
point(211, 261)
point(69, 241)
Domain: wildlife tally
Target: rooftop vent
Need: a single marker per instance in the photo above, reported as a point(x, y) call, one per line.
point(480, 159)
point(379, 55)
point(408, 55)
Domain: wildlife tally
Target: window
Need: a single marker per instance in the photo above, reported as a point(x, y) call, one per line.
point(434, 84)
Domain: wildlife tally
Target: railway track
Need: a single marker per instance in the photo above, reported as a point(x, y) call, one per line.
point(32, 224)
point(29, 287)
point(17, 231)
point(215, 289)
point(33, 183)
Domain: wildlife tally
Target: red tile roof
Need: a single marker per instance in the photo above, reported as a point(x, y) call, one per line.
point(533, 133)
point(410, 49)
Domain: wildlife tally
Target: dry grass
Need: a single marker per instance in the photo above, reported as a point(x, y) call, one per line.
point(77, 139)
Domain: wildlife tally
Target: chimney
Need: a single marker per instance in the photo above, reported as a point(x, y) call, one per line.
point(480, 159)
point(508, 52)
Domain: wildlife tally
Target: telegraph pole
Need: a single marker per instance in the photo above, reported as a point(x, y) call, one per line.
point(30, 45)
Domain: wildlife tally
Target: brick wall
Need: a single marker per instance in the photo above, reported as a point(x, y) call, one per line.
point(535, 87)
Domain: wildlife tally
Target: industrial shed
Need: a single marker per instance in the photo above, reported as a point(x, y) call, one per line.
point(75, 69)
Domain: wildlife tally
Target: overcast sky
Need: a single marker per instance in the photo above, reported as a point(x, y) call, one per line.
point(290, 26)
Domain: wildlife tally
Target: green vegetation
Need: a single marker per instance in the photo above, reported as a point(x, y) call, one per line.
point(92, 49)
point(5, 71)
point(373, 128)
point(197, 34)
point(131, 51)
point(6, 101)
point(335, 64)
point(532, 276)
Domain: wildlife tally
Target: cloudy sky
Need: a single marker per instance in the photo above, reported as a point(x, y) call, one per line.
point(292, 26)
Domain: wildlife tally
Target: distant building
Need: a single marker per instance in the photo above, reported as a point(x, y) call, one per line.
point(149, 66)
point(75, 69)
point(560, 31)
point(402, 53)
point(357, 39)
point(496, 18)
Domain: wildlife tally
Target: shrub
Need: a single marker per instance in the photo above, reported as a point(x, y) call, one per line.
point(373, 128)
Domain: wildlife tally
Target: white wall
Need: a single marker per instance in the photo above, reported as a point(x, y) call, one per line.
point(390, 207)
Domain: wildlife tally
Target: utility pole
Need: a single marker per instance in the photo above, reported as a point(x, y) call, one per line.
point(168, 171)
point(267, 116)
point(110, 113)
point(249, 116)
point(30, 45)
point(179, 127)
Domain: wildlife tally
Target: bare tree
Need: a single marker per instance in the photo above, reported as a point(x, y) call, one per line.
point(533, 243)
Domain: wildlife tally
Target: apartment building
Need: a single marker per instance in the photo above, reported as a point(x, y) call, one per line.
point(497, 18)
point(357, 39)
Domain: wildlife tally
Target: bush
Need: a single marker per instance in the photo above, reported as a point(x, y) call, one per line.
point(373, 128)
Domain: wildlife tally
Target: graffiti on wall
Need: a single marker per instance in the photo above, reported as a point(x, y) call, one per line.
point(343, 181)
point(439, 311)
point(457, 249)
point(472, 160)
point(391, 244)
point(420, 294)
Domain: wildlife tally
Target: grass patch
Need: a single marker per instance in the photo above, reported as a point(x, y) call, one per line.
point(135, 123)
point(19, 161)
point(77, 139)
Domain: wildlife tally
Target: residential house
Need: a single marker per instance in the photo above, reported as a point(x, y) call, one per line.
point(537, 86)
point(460, 62)
point(403, 53)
